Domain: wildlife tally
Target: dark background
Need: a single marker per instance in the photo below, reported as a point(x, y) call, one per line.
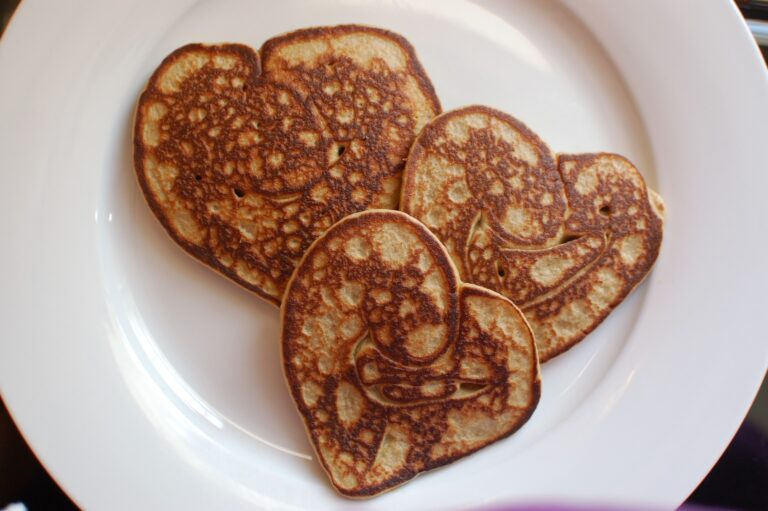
point(738, 481)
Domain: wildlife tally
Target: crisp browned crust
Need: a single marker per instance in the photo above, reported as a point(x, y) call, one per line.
point(566, 238)
point(395, 365)
point(247, 157)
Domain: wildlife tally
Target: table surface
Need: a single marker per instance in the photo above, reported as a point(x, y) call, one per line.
point(739, 480)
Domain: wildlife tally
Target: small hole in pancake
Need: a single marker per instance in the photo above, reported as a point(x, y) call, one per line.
point(198, 177)
point(239, 192)
point(605, 211)
point(500, 270)
point(567, 238)
point(467, 387)
point(340, 150)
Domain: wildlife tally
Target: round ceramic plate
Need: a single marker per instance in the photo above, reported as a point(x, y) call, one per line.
point(144, 380)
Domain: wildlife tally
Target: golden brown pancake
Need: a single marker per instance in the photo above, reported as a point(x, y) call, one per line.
point(565, 237)
point(246, 157)
point(395, 365)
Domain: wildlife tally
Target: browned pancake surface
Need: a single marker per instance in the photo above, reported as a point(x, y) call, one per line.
point(565, 237)
point(395, 365)
point(246, 157)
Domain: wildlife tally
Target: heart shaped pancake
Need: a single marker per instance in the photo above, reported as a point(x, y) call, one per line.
point(246, 157)
point(394, 364)
point(565, 237)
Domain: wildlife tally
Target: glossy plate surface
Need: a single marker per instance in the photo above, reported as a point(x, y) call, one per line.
point(143, 379)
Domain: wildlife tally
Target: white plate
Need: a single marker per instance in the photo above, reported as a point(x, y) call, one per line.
point(144, 380)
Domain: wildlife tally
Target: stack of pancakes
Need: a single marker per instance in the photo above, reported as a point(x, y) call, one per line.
point(410, 338)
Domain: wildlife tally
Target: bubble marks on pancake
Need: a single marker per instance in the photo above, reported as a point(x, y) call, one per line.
point(565, 237)
point(246, 157)
point(395, 365)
